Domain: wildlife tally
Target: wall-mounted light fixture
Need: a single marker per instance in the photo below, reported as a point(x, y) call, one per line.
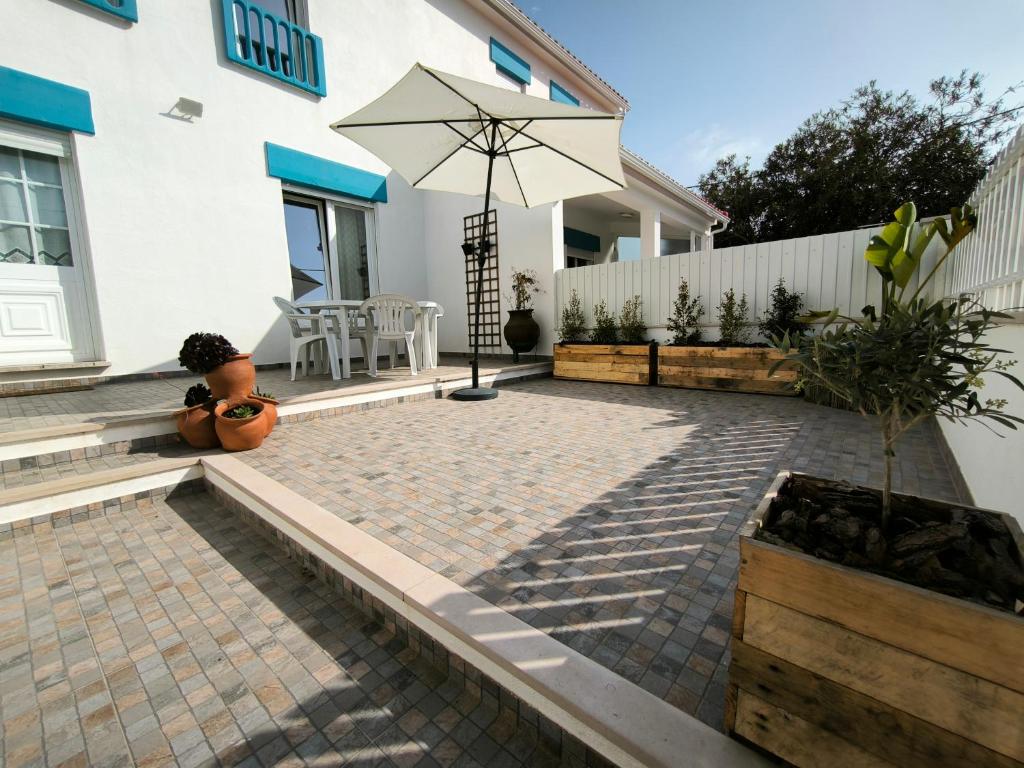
point(185, 109)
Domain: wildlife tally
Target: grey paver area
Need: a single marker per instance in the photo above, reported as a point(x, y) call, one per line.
point(119, 400)
point(605, 515)
point(168, 633)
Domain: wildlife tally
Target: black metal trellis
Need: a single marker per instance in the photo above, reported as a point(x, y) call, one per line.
point(490, 291)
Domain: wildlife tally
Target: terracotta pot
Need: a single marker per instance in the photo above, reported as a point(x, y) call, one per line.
point(240, 434)
point(521, 331)
point(269, 410)
point(234, 380)
point(196, 426)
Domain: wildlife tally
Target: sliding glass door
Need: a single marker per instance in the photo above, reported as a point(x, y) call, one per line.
point(346, 268)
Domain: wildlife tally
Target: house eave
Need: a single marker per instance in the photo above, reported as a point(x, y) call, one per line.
point(513, 15)
point(670, 187)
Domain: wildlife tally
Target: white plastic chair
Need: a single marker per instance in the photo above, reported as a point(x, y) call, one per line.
point(385, 318)
point(316, 331)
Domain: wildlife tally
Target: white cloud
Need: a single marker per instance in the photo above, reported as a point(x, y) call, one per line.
point(698, 150)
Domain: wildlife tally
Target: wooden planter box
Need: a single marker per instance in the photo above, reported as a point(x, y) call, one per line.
point(741, 369)
point(835, 666)
point(619, 363)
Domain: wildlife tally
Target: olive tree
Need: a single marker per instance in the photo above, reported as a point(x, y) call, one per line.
point(912, 357)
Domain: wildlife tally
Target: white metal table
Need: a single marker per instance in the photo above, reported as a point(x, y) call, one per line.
point(426, 323)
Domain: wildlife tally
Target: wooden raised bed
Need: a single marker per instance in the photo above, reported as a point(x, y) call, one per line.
point(619, 363)
point(740, 369)
point(836, 666)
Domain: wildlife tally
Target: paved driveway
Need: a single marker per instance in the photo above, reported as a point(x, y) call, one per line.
point(602, 514)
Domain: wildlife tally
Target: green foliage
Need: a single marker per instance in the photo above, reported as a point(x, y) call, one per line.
point(852, 164)
point(631, 321)
point(605, 331)
point(196, 395)
point(914, 359)
point(783, 316)
point(265, 395)
point(732, 319)
point(574, 325)
point(240, 412)
point(524, 287)
point(686, 314)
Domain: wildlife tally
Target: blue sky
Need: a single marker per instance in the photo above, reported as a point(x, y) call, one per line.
point(705, 79)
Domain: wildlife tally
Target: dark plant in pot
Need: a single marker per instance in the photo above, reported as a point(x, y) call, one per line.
point(195, 421)
point(241, 424)
point(876, 624)
point(521, 330)
point(229, 374)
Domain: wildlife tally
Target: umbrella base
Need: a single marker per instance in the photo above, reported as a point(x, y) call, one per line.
point(475, 393)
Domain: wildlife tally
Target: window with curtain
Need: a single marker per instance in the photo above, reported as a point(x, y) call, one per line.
point(33, 215)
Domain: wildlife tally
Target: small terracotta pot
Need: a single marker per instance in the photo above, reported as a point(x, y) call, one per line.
point(240, 434)
point(196, 425)
point(269, 410)
point(234, 380)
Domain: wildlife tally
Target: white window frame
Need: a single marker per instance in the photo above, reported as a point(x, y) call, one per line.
point(329, 202)
point(61, 145)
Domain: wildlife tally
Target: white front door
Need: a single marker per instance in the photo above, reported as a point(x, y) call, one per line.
point(44, 304)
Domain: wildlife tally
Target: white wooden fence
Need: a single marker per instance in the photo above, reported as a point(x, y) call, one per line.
point(990, 262)
point(829, 270)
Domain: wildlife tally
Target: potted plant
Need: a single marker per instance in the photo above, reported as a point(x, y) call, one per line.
point(521, 330)
point(230, 375)
point(240, 424)
point(616, 351)
point(195, 421)
point(733, 363)
point(269, 407)
point(875, 627)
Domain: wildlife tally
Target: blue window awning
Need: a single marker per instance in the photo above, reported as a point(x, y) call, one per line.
point(319, 173)
point(35, 100)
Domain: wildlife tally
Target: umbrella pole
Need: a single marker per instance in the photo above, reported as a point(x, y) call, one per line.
point(476, 392)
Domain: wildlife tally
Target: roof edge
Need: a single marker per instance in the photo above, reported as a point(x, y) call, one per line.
point(511, 13)
point(635, 162)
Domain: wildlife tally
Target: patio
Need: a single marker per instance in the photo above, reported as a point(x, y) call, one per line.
point(165, 632)
point(603, 515)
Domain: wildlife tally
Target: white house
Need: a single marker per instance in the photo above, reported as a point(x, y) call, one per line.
point(165, 167)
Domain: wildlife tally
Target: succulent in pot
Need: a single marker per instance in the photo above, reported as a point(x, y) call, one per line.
point(269, 407)
point(241, 424)
point(195, 421)
point(231, 375)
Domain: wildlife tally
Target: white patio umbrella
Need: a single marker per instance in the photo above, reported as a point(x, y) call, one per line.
point(450, 134)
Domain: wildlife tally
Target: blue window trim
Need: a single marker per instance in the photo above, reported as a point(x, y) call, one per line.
point(558, 93)
point(318, 173)
point(577, 238)
point(509, 63)
point(32, 99)
point(307, 72)
point(127, 9)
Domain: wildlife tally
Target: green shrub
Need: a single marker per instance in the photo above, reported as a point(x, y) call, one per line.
point(686, 314)
point(783, 316)
point(605, 331)
point(574, 325)
point(631, 321)
point(732, 319)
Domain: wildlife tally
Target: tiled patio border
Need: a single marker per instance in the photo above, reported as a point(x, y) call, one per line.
point(586, 713)
point(47, 446)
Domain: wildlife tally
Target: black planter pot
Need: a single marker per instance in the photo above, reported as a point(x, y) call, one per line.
point(521, 331)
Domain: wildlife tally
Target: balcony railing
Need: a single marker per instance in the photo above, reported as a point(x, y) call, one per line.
point(273, 46)
point(126, 9)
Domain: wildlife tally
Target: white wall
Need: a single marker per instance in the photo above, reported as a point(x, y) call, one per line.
point(992, 461)
point(595, 224)
point(526, 240)
point(829, 270)
point(185, 228)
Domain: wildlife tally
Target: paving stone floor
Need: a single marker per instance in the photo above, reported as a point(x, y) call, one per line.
point(118, 400)
point(170, 634)
point(605, 515)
